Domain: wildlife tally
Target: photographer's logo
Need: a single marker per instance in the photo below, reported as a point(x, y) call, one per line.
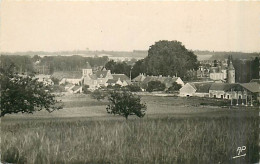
point(240, 151)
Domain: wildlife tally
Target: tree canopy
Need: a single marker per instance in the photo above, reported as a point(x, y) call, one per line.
point(118, 67)
point(124, 103)
point(170, 58)
point(167, 58)
point(175, 87)
point(25, 94)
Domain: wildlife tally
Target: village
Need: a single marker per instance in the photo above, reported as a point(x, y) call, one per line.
point(129, 82)
point(215, 81)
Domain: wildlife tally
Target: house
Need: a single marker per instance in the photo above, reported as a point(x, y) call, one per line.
point(84, 77)
point(187, 90)
point(96, 80)
point(226, 91)
point(200, 89)
point(165, 80)
point(252, 90)
point(46, 79)
point(103, 76)
point(218, 73)
point(169, 80)
point(73, 77)
point(120, 79)
point(243, 94)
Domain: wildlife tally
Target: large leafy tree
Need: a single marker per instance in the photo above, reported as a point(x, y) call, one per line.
point(24, 93)
point(170, 58)
point(124, 103)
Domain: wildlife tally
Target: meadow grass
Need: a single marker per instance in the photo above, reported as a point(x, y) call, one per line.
point(148, 140)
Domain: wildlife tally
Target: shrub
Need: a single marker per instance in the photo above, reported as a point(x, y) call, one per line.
point(155, 86)
point(57, 88)
point(133, 88)
point(99, 95)
point(85, 89)
point(175, 87)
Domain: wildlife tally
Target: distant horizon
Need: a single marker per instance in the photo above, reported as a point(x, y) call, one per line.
point(13, 52)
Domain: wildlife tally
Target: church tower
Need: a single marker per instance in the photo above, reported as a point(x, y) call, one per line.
point(87, 70)
point(231, 72)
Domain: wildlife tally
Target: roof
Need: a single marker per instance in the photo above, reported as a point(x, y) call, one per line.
point(42, 77)
point(67, 74)
point(121, 76)
point(139, 78)
point(111, 81)
point(170, 80)
point(93, 76)
point(255, 80)
point(76, 87)
point(69, 85)
point(224, 87)
point(193, 86)
point(101, 74)
point(252, 87)
point(202, 87)
point(150, 78)
point(230, 66)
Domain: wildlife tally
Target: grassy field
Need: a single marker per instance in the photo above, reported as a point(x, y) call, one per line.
point(175, 130)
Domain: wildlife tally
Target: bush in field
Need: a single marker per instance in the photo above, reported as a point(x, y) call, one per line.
point(99, 95)
point(24, 93)
point(85, 89)
point(155, 86)
point(55, 80)
point(175, 87)
point(124, 103)
point(57, 88)
point(133, 88)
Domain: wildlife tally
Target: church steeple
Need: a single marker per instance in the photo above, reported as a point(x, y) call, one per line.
point(87, 70)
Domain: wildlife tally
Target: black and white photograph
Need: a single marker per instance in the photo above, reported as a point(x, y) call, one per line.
point(129, 82)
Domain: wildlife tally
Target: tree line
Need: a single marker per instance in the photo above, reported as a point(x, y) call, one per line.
point(24, 64)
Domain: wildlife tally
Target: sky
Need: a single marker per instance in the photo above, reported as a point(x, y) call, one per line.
point(126, 26)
